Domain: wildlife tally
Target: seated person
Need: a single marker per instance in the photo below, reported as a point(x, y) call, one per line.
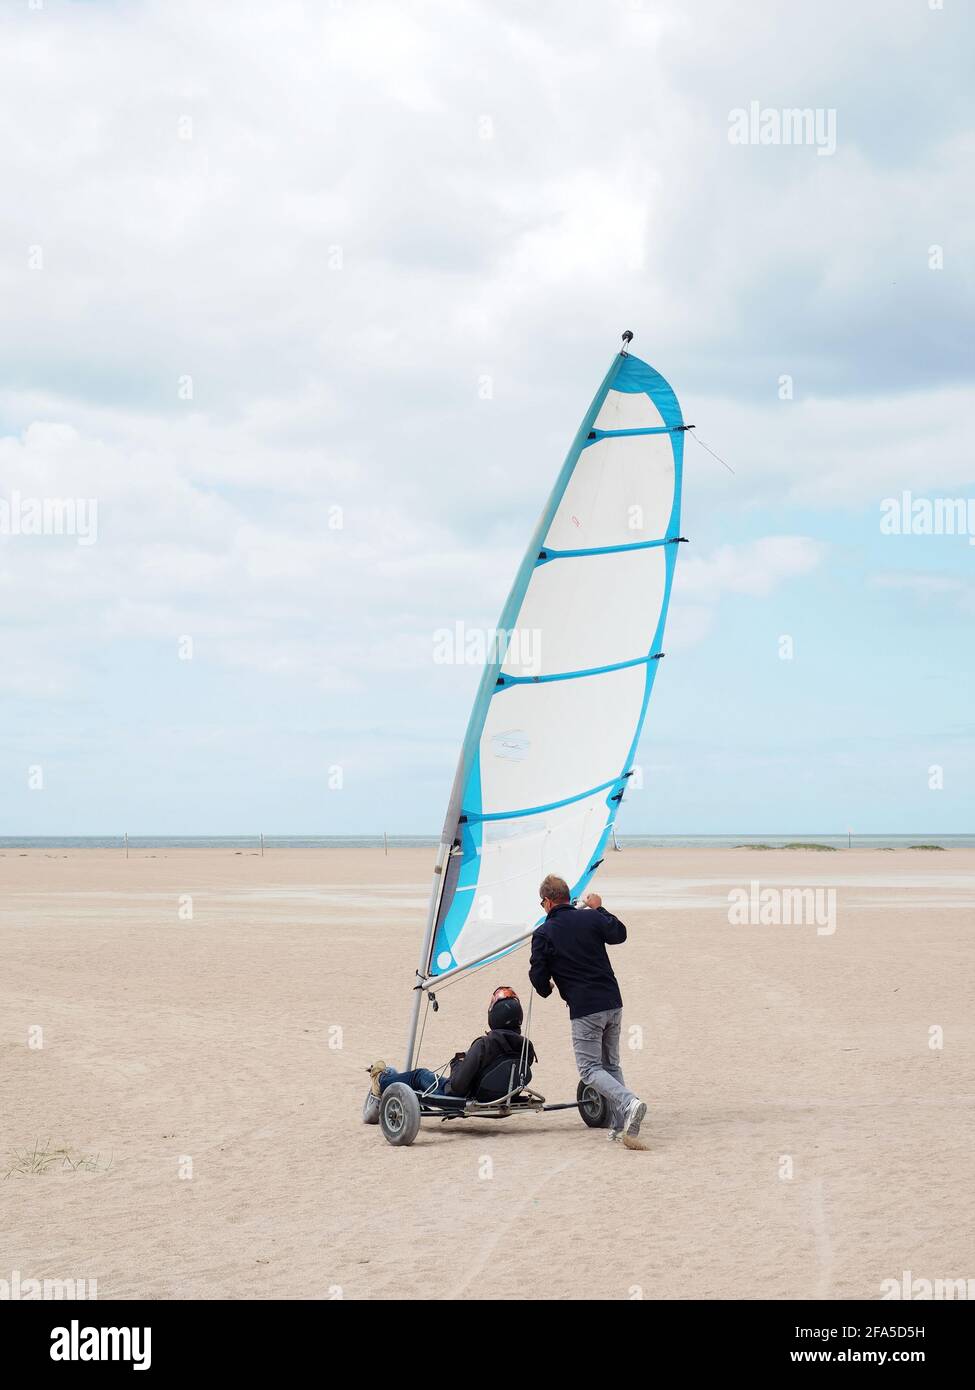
point(503, 1039)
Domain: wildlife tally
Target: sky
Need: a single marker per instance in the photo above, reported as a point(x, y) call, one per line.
point(310, 299)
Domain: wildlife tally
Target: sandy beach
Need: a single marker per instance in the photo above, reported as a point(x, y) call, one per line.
point(206, 1076)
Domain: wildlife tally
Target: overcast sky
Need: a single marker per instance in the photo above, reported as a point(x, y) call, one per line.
point(311, 298)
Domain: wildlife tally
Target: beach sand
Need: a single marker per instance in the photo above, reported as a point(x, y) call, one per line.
point(236, 1042)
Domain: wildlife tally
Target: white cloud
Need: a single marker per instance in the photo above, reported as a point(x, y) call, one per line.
point(379, 206)
point(755, 568)
point(958, 594)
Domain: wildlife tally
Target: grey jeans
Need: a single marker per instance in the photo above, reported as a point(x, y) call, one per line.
point(596, 1043)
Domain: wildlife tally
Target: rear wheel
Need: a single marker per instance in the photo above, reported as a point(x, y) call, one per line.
point(593, 1107)
point(399, 1114)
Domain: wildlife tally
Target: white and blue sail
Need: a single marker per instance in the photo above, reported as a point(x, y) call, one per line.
point(559, 711)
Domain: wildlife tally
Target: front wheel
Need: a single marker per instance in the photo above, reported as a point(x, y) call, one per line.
point(399, 1114)
point(593, 1107)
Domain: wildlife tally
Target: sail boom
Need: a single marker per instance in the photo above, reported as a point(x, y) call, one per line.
point(505, 949)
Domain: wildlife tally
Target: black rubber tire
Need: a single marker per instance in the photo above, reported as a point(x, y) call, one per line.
point(593, 1107)
point(399, 1114)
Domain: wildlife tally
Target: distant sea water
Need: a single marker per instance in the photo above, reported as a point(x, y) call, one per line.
point(250, 842)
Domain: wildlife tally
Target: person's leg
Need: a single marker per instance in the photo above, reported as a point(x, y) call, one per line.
point(423, 1080)
point(587, 1043)
point(628, 1121)
point(419, 1080)
point(611, 1058)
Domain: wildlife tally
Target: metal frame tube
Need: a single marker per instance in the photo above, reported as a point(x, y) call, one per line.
point(435, 896)
point(438, 980)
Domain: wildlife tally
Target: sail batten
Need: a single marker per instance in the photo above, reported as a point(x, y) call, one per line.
point(559, 710)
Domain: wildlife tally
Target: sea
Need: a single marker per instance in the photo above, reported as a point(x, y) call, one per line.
point(922, 839)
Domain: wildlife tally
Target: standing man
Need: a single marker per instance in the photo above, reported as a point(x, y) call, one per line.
point(569, 948)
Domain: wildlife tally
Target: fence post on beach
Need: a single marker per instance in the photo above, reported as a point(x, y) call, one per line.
point(125, 837)
point(385, 844)
point(262, 844)
point(849, 839)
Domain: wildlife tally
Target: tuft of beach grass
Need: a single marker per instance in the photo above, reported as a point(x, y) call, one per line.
point(794, 844)
point(48, 1158)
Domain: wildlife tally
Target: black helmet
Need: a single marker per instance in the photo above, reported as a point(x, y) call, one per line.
point(505, 1010)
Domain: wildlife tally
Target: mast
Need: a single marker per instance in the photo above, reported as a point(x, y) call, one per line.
point(436, 892)
point(424, 961)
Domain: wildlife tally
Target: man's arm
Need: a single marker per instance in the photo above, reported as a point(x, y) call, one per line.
point(611, 928)
point(539, 967)
point(465, 1071)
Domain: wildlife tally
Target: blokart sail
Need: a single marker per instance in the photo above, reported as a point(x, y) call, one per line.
point(560, 707)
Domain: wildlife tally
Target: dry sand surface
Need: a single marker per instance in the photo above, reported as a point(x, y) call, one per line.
point(238, 1040)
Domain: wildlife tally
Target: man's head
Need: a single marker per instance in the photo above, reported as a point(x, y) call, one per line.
point(553, 890)
point(504, 1010)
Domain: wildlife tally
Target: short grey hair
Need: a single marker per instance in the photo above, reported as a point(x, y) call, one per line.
point(554, 888)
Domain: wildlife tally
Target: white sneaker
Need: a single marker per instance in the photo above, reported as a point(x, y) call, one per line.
point(634, 1117)
point(614, 1135)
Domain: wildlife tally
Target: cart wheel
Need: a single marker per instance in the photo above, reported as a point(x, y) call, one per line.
point(370, 1109)
point(593, 1107)
point(399, 1113)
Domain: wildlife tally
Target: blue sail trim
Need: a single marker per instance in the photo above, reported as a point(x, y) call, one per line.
point(596, 435)
point(548, 553)
point(505, 681)
point(470, 837)
point(635, 376)
point(630, 375)
point(540, 810)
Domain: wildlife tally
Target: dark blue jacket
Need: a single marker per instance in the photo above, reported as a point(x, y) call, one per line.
point(569, 948)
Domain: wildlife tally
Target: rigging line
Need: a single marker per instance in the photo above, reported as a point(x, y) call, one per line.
point(523, 1060)
point(711, 452)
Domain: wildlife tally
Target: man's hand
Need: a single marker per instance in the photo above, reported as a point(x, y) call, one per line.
point(593, 900)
